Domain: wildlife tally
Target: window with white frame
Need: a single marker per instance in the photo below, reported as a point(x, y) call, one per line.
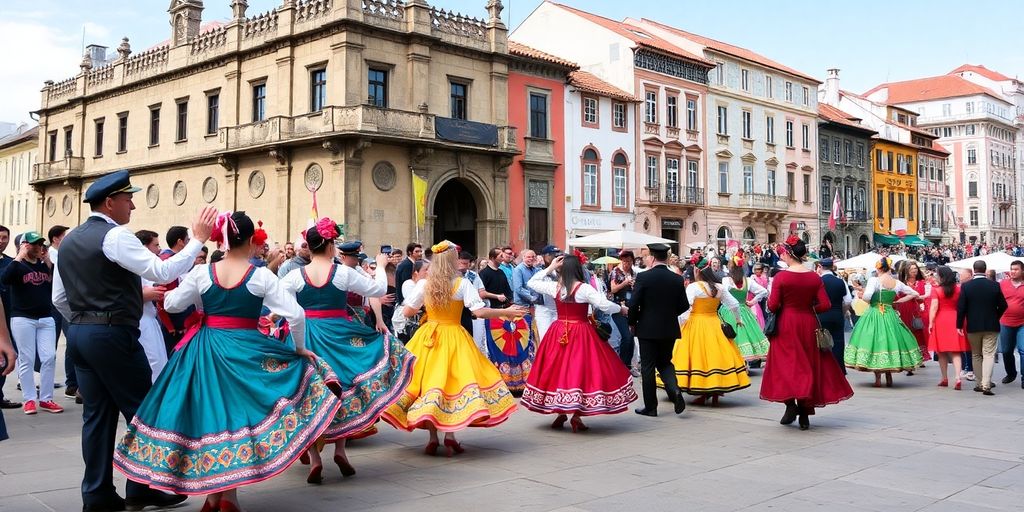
point(974, 216)
point(807, 96)
point(723, 120)
point(769, 88)
point(769, 129)
point(619, 180)
point(805, 132)
point(836, 156)
point(691, 114)
point(651, 107)
point(589, 110)
point(789, 134)
point(723, 177)
point(672, 111)
point(771, 181)
point(746, 124)
point(652, 171)
point(745, 79)
point(721, 73)
point(671, 179)
point(590, 170)
point(848, 152)
point(789, 91)
point(619, 115)
point(748, 179)
point(692, 175)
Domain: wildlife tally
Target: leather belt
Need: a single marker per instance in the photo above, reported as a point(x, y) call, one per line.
point(99, 318)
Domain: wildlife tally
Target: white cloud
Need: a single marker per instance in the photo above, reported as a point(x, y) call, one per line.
point(36, 52)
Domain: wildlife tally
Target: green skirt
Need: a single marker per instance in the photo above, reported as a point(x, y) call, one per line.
point(881, 342)
point(750, 339)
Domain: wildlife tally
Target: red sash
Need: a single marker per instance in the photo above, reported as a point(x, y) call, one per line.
point(197, 320)
point(328, 313)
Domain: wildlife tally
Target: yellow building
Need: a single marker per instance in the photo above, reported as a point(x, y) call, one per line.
point(347, 99)
point(18, 201)
point(895, 187)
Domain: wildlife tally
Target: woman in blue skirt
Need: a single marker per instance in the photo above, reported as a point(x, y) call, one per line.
point(232, 407)
point(372, 367)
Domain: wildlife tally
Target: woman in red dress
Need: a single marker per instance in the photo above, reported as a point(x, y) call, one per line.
point(575, 372)
point(797, 372)
point(910, 274)
point(943, 338)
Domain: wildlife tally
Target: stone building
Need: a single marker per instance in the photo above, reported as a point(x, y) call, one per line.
point(18, 202)
point(344, 99)
point(844, 164)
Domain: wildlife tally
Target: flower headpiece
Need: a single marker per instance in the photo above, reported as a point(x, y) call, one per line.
point(223, 226)
point(885, 260)
point(328, 229)
point(582, 257)
point(443, 246)
point(259, 237)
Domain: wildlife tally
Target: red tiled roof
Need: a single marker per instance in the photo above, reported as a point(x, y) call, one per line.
point(834, 115)
point(522, 50)
point(587, 82)
point(636, 34)
point(981, 70)
point(733, 50)
point(936, 147)
point(931, 88)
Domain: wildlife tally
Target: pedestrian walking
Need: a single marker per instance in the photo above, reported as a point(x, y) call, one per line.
point(978, 310)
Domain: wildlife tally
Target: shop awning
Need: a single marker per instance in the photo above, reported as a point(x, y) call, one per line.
point(909, 240)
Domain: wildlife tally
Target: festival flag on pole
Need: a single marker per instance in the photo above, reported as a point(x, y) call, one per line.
point(419, 190)
point(837, 211)
point(314, 212)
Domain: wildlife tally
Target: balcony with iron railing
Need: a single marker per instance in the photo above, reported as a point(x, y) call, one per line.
point(1003, 199)
point(764, 202)
point(67, 168)
point(372, 121)
point(669, 195)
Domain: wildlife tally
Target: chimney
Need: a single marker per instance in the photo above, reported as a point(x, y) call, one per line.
point(832, 88)
point(186, 16)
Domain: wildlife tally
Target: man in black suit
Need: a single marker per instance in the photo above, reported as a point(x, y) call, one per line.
point(659, 297)
point(981, 304)
point(833, 319)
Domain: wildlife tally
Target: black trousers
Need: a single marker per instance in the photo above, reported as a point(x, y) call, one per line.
point(113, 377)
point(838, 340)
point(656, 354)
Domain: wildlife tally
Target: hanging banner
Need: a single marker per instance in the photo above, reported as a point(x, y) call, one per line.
point(419, 190)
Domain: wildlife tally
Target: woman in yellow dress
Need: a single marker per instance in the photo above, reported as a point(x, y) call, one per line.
point(707, 364)
point(453, 385)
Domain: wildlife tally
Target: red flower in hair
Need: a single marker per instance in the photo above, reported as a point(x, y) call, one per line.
point(327, 228)
point(579, 254)
point(259, 237)
point(792, 240)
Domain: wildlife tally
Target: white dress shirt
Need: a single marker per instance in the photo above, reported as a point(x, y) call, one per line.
point(760, 292)
point(466, 292)
point(121, 246)
point(346, 279)
point(263, 283)
point(873, 286)
point(585, 294)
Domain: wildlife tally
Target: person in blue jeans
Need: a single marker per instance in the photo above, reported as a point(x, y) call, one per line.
point(1011, 324)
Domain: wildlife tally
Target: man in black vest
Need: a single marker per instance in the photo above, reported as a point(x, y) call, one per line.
point(833, 319)
point(97, 289)
point(659, 297)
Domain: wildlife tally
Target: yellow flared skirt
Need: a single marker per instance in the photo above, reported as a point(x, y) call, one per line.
point(706, 362)
point(453, 385)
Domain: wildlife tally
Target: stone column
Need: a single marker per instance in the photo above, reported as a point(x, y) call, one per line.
point(353, 212)
point(283, 207)
point(346, 70)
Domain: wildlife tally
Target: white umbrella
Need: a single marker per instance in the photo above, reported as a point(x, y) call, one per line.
point(618, 239)
point(998, 261)
point(696, 245)
point(866, 260)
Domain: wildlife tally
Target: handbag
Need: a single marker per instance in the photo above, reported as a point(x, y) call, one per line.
point(917, 324)
point(771, 326)
point(728, 331)
point(822, 336)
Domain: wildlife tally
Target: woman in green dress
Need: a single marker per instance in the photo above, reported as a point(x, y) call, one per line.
point(881, 342)
point(750, 339)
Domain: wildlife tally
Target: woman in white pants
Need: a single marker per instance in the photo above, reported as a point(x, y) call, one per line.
point(29, 278)
point(151, 335)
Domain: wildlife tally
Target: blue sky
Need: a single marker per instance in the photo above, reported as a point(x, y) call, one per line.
point(871, 41)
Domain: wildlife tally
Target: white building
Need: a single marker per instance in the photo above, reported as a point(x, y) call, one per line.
point(976, 125)
point(599, 157)
point(19, 208)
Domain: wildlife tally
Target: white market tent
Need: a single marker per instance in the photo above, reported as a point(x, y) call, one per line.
point(866, 260)
point(618, 239)
point(998, 261)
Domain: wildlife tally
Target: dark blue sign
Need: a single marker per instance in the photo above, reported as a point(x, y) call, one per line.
point(469, 132)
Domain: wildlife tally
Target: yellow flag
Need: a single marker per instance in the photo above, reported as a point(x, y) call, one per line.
point(419, 190)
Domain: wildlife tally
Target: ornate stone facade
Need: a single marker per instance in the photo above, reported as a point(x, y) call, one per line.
point(314, 95)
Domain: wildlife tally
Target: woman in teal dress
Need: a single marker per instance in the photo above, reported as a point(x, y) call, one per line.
point(881, 342)
point(750, 339)
point(232, 407)
point(373, 367)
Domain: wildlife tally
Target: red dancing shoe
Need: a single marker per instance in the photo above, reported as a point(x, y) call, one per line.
point(343, 464)
point(957, 385)
point(431, 448)
point(578, 426)
point(316, 475)
point(304, 458)
point(944, 383)
point(559, 422)
point(453, 447)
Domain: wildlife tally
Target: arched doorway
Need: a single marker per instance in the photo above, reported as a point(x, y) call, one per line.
point(864, 244)
point(456, 215)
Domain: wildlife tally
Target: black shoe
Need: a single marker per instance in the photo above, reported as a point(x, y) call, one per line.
point(644, 412)
point(978, 389)
point(70, 392)
point(7, 404)
point(1009, 378)
point(805, 422)
point(57, 385)
point(988, 392)
point(154, 499)
point(790, 416)
point(680, 403)
point(110, 506)
point(78, 398)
